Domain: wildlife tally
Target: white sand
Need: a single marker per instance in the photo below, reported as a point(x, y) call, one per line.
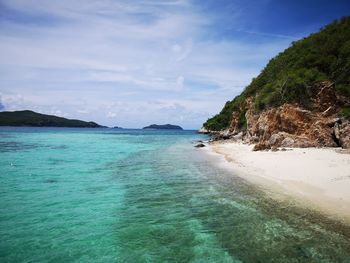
point(313, 177)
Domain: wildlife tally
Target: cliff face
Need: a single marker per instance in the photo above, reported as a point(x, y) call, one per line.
point(300, 99)
point(291, 125)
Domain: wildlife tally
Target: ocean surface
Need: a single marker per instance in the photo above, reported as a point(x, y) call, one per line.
point(108, 195)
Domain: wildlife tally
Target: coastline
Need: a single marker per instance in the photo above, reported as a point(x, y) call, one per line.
point(316, 178)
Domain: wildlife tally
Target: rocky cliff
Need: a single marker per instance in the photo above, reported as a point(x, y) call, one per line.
point(301, 98)
point(291, 125)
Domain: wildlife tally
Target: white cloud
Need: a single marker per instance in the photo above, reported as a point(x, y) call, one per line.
point(180, 82)
point(2, 107)
point(83, 111)
point(111, 59)
point(186, 51)
point(176, 48)
point(111, 115)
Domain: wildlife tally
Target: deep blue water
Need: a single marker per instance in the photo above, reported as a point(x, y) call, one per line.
point(107, 195)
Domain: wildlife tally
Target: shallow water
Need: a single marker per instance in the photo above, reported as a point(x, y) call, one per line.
point(103, 195)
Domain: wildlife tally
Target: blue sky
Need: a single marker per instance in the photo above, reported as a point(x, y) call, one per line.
point(133, 63)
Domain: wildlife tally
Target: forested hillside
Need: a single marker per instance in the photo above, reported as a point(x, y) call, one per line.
point(292, 75)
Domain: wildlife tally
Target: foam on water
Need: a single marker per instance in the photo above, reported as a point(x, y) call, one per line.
point(102, 195)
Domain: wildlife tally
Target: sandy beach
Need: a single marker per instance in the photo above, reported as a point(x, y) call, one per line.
point(313, 177)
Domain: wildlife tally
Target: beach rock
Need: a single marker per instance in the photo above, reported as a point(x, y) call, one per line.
point(344, 134)
point(288, 142)
point(336, 131)
point(199, 145)
point(203, 131)
point(277, 138)
point(222, 135)
point(237, 137)
point(261, 146)
point(226, 134)
point(274, 149)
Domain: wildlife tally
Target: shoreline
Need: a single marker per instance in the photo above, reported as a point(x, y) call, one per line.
point(316, 178)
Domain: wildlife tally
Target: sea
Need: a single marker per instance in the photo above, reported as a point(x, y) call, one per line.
point(120, 195)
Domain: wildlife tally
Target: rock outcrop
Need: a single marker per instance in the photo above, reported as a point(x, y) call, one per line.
point(291, 125)
point(342, 134)
point(203, 130)
point(235, 124)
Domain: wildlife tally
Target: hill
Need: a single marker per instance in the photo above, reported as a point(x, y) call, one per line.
point(163, 127)
point(31, 118)
point(312, 75)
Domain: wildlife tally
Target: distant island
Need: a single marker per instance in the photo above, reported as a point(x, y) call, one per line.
point(163, 127)
point(34, 119)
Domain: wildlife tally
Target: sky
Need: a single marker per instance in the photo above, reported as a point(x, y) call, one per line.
point(133, 63)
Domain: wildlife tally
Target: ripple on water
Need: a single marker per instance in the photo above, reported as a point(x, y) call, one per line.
point(146, 198)
point(9, 146)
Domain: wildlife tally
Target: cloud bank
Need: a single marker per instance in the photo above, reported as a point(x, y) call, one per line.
point(127, 63)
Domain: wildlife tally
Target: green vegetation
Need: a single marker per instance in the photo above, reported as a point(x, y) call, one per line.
point(345, 112)
point(222, 120)
point(291, 75)
point(31, 118)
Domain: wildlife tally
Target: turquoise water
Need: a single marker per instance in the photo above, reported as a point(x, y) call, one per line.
point(103, 195)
